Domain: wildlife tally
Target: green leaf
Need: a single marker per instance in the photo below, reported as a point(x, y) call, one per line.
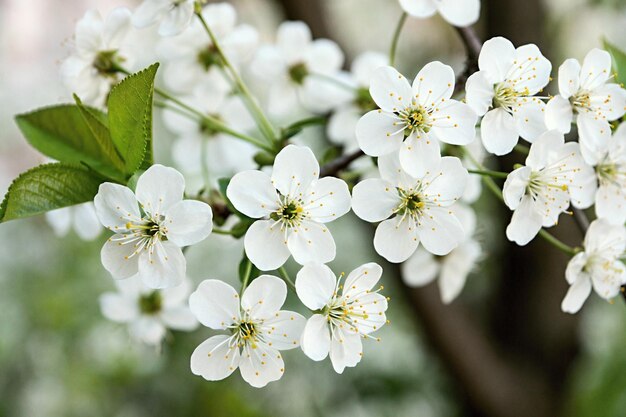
point(244, 265)
point(240, 229)
point(619, 61)
point(48, 187)
point(130, 118)
point(62, 133)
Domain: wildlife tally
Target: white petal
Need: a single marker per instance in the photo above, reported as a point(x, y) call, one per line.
point(419, 154)
point(569, 78)
point(460, 13)
point(529, 120)
point(374, 200)
point(596, 69)
point(419, 8)
point(149, 12)
point(342, 126)
point(396, 242)
point(455, 123)
point(188, 222)
point(221, 18)
point(479, 92)
point(368, 312)
point(179, 318)
point(116, 258)
point(361, 280)
point(434, 83)
point(261, 366)
point(177, 19)
point(266, 245)
point(446, 183)
point(584, 187)
point(85, 222)
point(593, 132)
point(315, 341)
point(324, 57)
point(496, 58)
point(165, 267)
point(439, 230)
point(391, 171)
point(215, 304)
point(252, 193)
point(293, 38)
point(420, 269)
point(315, 285)
point(498, 132)
point(295, 168)
point(559, 114)
point(455, 269)
point(365, 64)
point(525, 222)
point(515, 187)
point(159, 188)
point(116, 27)
point(148, 330)
point(60, 220)
point(531, 70)
point(609, 100)
point(119, 308)
point(345, 349)
point(390, 90)
point(576, 295)
point(283, 330)
point(611, 204)
point(576, 267)
point(215, 359)
point(327, 199)
point(264, 296)
point(115, 205)
point(544, 148)
point(311, 242)
point(602, 236)
point(377, 133)
point(608, 278)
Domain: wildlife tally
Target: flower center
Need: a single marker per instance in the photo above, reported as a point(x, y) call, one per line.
point(290, 213)
point(506, 97)
point(298, 72)
point(207, 128)
point(209, 57)
point(246, 332)
point(416, 119)
point(106, 63)
point(581, 100)
point(151, 303)
point(411, 203)
point(364, 100)
point(611, 173)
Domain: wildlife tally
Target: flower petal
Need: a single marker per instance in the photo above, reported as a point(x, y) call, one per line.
point(419, 8)
point(315, 285)
point(148, 330)
point(576, 295)
point(390, 89)
point(439, 230)
point(608, 278)
point(593, 133)
point(596, 69)
point(362, 280)
point(295, 168)
point(215, 304)
point(460, 13)
point(559, 114)
point(177, 19)
point(455, 269)
point(179, 318)
point(569, 78)
point(346, 349)
point(315, 341)
point(283, 330)
point(165, 267)
point(455, 123)
point(498, 132)
point(265, 245)
point(264, 296)
point(188, 222)
point(118, 259)
point(479, 92)
point(396, 241)
point(525, 222)
point(529, 119)
point(445, 184)
point(293, 38)
point(496, 58)
point(611, 204)
point(115, 205)
point(530, 71)
point(261, 365)
point(374, 200)
point(327, 199)
point(85, 222)
point(159, 188)
point(119, 308)
point(311, 242)
point(420, 269)
point(419, 154)
point(515, 187)
point(378, 134)
point(215, 358)
point(252, 193)
point(149, 12)
point(433, 84)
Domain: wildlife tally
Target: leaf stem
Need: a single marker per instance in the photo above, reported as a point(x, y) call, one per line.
point(396, 37)
point(489, 173)
point(222, 232)
point(285, 275)
point(524, 150)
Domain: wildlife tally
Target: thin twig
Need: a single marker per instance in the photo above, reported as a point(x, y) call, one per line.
point(339, 164)
point(472, 44)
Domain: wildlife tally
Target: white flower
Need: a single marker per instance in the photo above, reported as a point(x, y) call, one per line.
point(90, 71)
point(415, 118)
point(259, 330)
point(81, 218)
point(610, 168)
point(191, 58)
point(292, 206)
point(585, 94)
point(344, 313)
point(503, 91)
point(421, 207)
point(598, 266)
point(151, 226)
point(174, 15)
point(292, 67)
point(452, 269)
point(342, 123)
point(456, 12)
point(539, 192)
point(148, 312)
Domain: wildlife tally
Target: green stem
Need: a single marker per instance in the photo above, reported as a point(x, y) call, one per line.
point(246, 275)
point(489, 173)
point(396, 37)
point(264, 124)
point(524, 150)
point(557, 243)
point(221, 232)
point(283, 273)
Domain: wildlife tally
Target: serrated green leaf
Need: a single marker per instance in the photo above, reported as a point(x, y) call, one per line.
point(62, 133)
point(130, 118)
point(48, 187)
point(619, 61)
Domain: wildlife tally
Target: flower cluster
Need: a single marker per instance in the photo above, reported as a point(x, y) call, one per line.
point(223, 95)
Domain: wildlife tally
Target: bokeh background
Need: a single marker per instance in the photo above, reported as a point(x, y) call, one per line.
point(60, 357)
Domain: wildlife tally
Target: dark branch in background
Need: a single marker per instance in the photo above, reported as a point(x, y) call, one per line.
point(339, 164)
point(472, 44)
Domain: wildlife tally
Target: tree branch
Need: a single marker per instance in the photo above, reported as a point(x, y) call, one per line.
point(339, 164)
point(472, 44)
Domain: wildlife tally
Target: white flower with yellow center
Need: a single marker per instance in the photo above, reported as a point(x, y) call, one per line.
point(292, 206)
point(174, 16)
point(412, 209)
point(504, 92)
point(598, 266)
point(456, 12)
point(151, 226)
point(586, 95)
point(413, 119)
point(344, 313)
point(611, 172)
point(149, 312)
point(539, 192)
point(258, 330)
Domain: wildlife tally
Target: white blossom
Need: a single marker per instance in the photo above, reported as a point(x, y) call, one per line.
point(504, 92)
point(452, 269)
point(151, 226)
point(586, 96)
point(456, 12)
point(344, 313)
point(173, 16)
point(610, 166)
point(149, 312)
point(539, 192)
point(412, 209)
point(80, 218)
point(598, 266)
point(259, 330)
point(292, 206)
point(413, 119)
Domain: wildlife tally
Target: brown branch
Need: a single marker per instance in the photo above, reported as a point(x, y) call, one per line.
point(339, 164)
point(472, 44)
